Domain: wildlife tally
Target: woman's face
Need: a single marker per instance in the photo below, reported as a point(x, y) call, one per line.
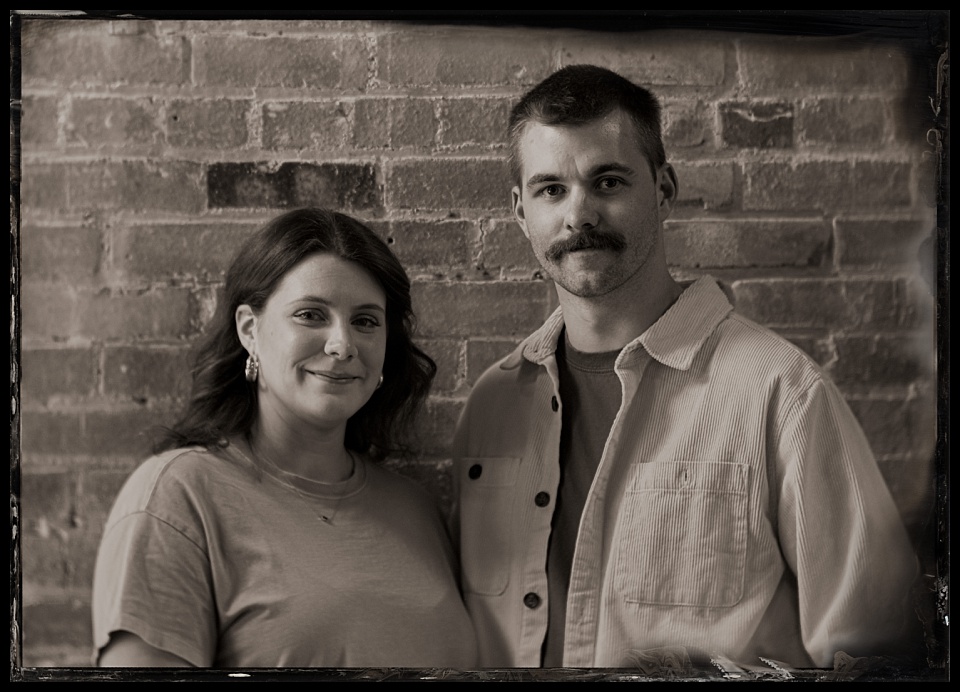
point(321, 340)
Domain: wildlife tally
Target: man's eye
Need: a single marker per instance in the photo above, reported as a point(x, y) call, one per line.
point(551, 190)
point(610, 183)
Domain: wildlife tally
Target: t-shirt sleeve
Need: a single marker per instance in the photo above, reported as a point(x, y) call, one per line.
point(153, 580)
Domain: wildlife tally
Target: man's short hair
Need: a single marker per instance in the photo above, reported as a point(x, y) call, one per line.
point(579, 94)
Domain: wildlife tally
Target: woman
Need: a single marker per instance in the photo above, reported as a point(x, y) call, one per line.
point(262, 534)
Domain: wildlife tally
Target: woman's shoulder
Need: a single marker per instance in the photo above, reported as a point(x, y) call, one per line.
point(400, 486)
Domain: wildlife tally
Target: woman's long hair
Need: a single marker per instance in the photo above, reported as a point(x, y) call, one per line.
point(223, 403)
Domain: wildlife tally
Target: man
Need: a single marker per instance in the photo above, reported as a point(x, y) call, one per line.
point(650, 469)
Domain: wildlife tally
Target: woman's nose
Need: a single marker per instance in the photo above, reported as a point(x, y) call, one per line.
point(339, 345)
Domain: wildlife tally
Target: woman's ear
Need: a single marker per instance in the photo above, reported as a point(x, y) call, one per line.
point(246, 320)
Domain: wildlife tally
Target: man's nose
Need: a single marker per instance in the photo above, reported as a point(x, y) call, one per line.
point(339, 344)
point(581, 212)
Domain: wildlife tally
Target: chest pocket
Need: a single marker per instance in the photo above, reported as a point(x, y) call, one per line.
point(683, 536)
point(487, 494)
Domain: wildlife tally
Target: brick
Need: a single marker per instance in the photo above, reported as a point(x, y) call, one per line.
point(879, 360)
point(436, 427)
point(345, 186)
point(708, 184)
point(446, 353)
point(822, 303)
point(202, 251)
point(448, 183)
point(133, 186)
point(757, 125)
point(898, 426)
point(842, 121)
point(651, 58)
point(143, 374)
point(63, 312)
point(881, 243)
point(428, 244)
point(686, 125)
point(296, 62)
point(108, 123)
point(293, 125)
point(51, 628)
point(880, 184)
point(463, 56)
point(484, 308)
point(92, 52)
point(474, 121)
point(747, 243)
point(482, 353)
point(817, 64)
point(207, 123)
point(396, 123)
point(39, 128)
point(43, 186)
point(68, 255)
point(55, 373)
point(504, 249)
point(779, 186)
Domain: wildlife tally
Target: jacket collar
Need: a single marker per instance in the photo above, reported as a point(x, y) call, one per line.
point(673, 340)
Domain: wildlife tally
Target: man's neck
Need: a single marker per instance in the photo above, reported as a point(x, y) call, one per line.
point(610, 322)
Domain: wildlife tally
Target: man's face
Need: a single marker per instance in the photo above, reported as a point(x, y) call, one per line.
point(589, 204)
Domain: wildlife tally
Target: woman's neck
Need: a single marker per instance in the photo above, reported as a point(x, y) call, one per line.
point(318, 455)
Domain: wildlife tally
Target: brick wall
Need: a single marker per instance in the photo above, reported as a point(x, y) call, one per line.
point(151, 148)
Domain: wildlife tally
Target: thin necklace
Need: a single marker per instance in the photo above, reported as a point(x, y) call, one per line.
point(325, 518)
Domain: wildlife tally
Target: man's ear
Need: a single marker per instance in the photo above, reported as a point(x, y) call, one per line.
point(246, 320)
point(517, 203)
point(668, 188)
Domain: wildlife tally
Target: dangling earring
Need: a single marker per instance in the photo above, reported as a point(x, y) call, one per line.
point(379, 382)
point(252, 368)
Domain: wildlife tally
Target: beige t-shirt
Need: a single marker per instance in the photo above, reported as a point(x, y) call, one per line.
point(220, 563)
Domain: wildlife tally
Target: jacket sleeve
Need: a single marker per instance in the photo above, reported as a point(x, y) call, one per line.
point(840, 532)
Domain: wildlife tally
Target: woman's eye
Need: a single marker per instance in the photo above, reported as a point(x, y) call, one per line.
point(367, 322)
point(309, 315)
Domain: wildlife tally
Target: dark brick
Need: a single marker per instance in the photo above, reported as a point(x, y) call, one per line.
point(348, 186)
point(143, 374)
point(448, 184)
point(757, 125)
point(158, 252)
point(207, 123)
point(99, 52)
point(63, 312)
point(505, 249)
point(298, 125)
point(846, 121)
point(810, 63)
point(278, 61)
point(651, 58)
point(51, 627)
point(446, 353)
point(708, 184)
point(822, 303)
point(882, 243)
point(747, 243)
point(882, 360)
point(490, 308)
point(67, 255)
point(98, 123)
point(904, 425)
point(686, 125)
point(51, 373)
point(427, 244)
point(474, 121)
point(39, 126)
point(468, 56)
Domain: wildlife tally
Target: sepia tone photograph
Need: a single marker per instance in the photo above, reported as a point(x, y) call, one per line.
point(386, 346)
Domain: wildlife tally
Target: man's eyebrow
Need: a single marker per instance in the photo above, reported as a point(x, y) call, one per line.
point(540, 178)
point(599, 169)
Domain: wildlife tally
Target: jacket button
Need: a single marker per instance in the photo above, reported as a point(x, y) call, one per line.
point(554, 404)
point(475, 471)
point(531, 600)
point(542, 499)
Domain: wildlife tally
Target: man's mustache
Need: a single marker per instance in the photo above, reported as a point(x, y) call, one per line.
point(586, 240)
